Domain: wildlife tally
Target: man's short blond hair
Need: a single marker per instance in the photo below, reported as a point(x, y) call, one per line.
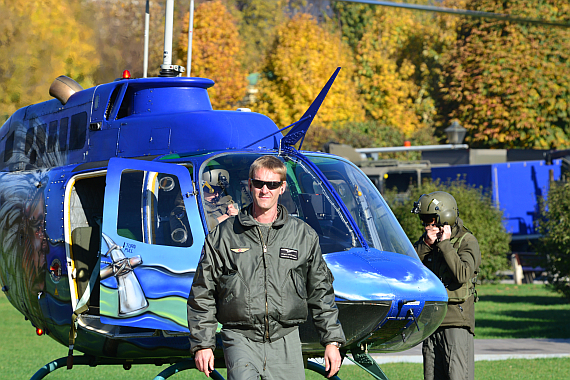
point(271, 163)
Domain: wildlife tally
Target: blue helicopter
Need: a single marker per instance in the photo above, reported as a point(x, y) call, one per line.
point(103, 213)
point(102, 206)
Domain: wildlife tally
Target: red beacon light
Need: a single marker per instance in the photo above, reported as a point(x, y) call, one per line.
point(126, 74)
point(39, 332)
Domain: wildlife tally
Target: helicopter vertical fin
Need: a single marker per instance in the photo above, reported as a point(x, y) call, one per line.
point(300, 129)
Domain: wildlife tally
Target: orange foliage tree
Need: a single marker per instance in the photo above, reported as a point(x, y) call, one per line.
point(509, 83)
point(41, 40)
point(216, 53)
point(298, 64)
point(398, 57)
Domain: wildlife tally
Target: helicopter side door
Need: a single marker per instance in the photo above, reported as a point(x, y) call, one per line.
point(152, 236)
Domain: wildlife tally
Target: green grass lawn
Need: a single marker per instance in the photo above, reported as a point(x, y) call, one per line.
point(523, 311)
point(504, 311)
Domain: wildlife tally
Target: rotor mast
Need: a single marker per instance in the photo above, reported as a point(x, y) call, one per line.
point(146, 30)
point(190, 34)
point(167, 69)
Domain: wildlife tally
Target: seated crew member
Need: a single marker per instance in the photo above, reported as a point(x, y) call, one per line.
point(217, 207)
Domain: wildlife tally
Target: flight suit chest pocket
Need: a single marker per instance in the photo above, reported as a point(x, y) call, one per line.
point(233, 301)
point(294, 299)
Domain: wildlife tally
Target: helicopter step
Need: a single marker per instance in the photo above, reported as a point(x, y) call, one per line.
point(362, 358)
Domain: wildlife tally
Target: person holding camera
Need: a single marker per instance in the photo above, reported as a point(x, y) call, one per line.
point(450, 251)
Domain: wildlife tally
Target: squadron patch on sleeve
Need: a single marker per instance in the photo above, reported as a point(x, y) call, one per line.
point(288, 253)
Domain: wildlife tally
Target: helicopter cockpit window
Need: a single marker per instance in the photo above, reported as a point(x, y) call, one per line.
point(375, 220)
point(151, 209)
point(304, 198)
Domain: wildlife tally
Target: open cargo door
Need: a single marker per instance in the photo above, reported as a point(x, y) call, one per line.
point(151, 241)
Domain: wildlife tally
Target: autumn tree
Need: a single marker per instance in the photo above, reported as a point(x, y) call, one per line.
point(397, 57)
point(367, 134)
point(118, 27)
point(509, 83)
point(300, 61)
point(257, 22)
point(41, 40)
point(216, 52)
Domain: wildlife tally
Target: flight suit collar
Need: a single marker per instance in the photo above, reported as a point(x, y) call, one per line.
point(246, 219)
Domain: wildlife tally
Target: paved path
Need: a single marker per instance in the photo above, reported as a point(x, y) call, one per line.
point(492, 349)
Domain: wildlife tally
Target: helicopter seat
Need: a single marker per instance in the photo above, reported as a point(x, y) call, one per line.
point(85, 243)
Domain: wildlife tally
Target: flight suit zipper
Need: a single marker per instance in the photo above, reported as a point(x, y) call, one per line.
point(264, 246)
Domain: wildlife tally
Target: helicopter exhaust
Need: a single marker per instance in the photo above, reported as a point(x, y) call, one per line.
point(63, 87)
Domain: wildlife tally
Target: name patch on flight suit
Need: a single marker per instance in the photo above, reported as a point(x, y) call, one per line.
point(287, 253)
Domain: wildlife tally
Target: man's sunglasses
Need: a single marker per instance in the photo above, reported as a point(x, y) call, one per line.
point(271, 185)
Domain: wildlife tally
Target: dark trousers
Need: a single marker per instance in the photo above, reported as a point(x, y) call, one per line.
point(449, 354)
point(249, 360)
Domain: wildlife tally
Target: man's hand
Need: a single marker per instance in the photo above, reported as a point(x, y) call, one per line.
point(232, 211)
point(444, 233)
point(332, 360)
point(204, 360)
point(432, 233)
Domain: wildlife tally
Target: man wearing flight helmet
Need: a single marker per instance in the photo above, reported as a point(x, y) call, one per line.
point(217, 207)
point(449, 250)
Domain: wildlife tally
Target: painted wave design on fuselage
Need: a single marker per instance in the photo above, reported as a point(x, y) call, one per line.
point(157, 282)
point(170, 311)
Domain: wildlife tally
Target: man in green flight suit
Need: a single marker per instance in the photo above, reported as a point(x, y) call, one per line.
point(449, 250)
point(259, 274)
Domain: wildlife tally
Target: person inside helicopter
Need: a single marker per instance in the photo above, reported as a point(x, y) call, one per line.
point(218, 207)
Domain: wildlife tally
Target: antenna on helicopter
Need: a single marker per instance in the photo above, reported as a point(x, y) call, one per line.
point(190, 34)
point(146, 28)
point(167, 69)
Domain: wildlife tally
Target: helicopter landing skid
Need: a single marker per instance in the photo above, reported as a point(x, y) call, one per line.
point(165, 374)
point(127, 364)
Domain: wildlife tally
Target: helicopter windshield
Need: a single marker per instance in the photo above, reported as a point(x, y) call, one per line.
point(224, 181)
point(375, 220)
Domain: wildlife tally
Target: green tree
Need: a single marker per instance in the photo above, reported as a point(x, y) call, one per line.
point(257, 22)
point(118, 27)
point(41, 40)
point(398, 60)
point(300, 61)
point(509, 83)
point(368, 134)
point(216, 52)
point(475, 209)
point(353, 19)
point(555, 240)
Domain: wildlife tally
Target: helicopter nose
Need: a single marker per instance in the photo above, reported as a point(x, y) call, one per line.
point(388, 300)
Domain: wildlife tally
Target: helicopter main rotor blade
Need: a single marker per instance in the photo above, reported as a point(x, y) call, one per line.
point(463, 12)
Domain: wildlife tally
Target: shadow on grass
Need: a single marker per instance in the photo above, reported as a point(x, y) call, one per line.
point(534, 300)
point(526, 324)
